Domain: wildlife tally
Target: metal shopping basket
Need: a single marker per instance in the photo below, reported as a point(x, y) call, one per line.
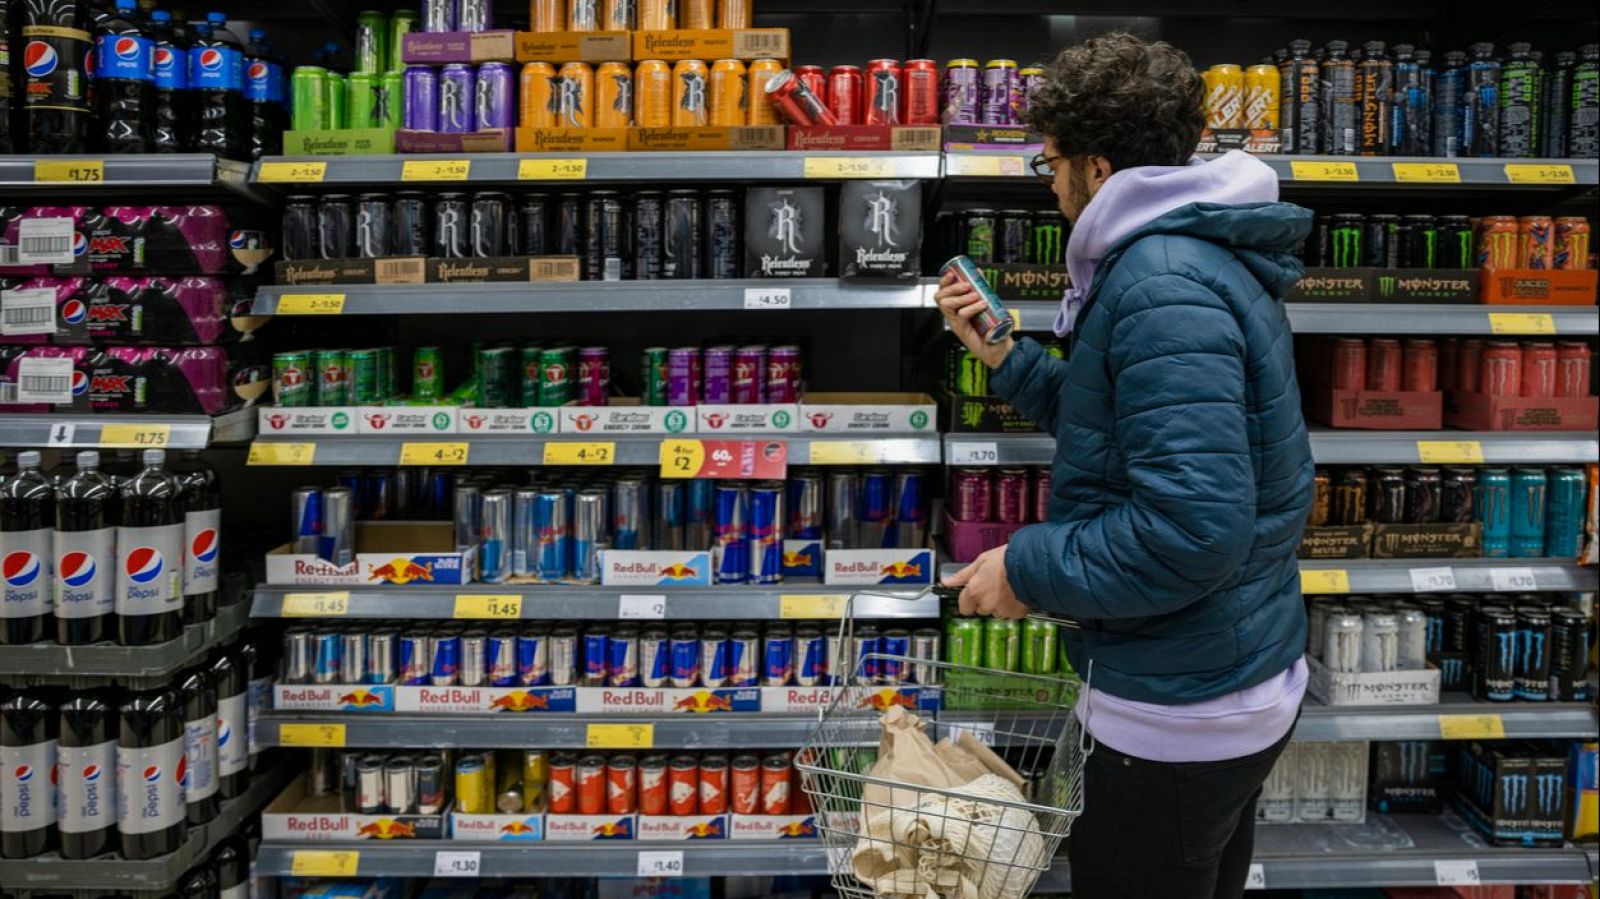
point(1001, 845)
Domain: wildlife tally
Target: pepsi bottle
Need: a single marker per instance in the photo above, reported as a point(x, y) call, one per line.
point(27, 517)
point(258, 693)
point(263, 87)
point(232, 680)
point(199, 882)
point(27, 769)
point(149, 599)
point(173, 104)
point(86, 766)
point(124, 90)
point(7, 88)
point(197, 694)
point(202, 537)
point(150, 770)
point(85, 554)
point(232, 859)
point(55, 87)
point(216, 75)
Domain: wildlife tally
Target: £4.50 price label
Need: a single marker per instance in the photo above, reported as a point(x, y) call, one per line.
point(291, 733)
point(661, 864)
point(315, 605)
point(620, 736)
point(435, 169)
point(767, 298)
point(434, 453)
point(566, 452)
point(70, 171)
point(1324, 580)
point(138, 436)
point(481, 605)
point(324, 863)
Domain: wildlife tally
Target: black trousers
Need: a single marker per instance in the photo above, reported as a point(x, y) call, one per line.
point(1162, 830)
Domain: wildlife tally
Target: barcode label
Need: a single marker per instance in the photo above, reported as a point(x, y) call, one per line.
point(10, 254)
point(8, 393)
point(41, 380)
point(399, 271)
point(913, 137)
point(760, 42)
point(31, 311)
point(45, 241)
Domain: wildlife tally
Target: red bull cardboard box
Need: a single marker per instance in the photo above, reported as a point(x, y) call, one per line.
point(887, 567)
point(647, 701)
point(797, 700)
point(676, 828)
point(296, 816)
point(389, 553)
point(773, 827)
point(626, 416)
point(802, 558)
point(507, 421)
point(725, 419)
point(654, 568)
point(469, 700)
point(334, 697)
point(869, 413)
point(496, 828)
point(590, 828)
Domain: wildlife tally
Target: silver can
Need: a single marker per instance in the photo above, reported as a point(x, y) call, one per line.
point(338, 526)
point(589, 534)
point(523, 535)
point(563, 657)
point(1341, 651)
point(352, 657)
point(1380, 639)
point(380, 655)
point(400, 785)
point(474, 658)
point(1411, 653)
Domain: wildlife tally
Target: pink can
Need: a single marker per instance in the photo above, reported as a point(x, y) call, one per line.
point(1572, 368)
point(749, 374)
point(1500, 369)
point(1539, 363)
point(1011, 496)
point(783, 374)
point(971, 494)
point(594, 375)
point(1041, 494)
point(1469, 353)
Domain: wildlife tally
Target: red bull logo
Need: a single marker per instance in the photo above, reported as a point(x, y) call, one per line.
point(360, 699)
point(705, 830)
point(387, 829)
point(798, 829)
point(518, 829)
point(883, 700)
point(400, 571)
point(620, 829)
point(520, 701)
point(703, 702)
point(902, 570)
point(678, 571)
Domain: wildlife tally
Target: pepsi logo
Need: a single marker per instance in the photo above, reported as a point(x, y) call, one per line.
point(224, 732)
point(80, 243)
point(143, 564)
point(165, 58)
point(183, 770)
point(238, 240)
point(74, 311)
point(39, 59)
point(21, 568)
point(258, 72)
point(76, 568)
point(23, 774)
point(80, 382)
point(91, 773)
point(204, 545)
point(88, 62)
point(211, 60)
point(152, 774)
point(126, 48)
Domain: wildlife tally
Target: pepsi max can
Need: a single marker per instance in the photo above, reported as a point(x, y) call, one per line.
point(655, 658)
point(493, 100)
point(777, 657)
point(421, 87)
point(325, 657)
point(413, 659)
point(596, 656)
point(533, 660)
point(810, 657)
point(685, 667)
point(444, 659)
point(765, 532)
point(730, 549)
point(457, 99)
point(622, 658)
point(552, 549)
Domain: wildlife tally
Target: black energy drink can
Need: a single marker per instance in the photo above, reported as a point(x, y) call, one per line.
point(647, 235)
point(533, 233)
point(723, 227)
point(682, 255)
point(1494, 664)
point(409, 220)
point(452, 226)
point(300, 229)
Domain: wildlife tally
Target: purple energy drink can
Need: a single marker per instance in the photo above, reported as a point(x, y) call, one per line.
point(719, 375)
point(474, 15)
point(682, 363)
point(960, 92)
point(533, 660)
point(457, 91)
point(730, 550)
point(494, 101)
point(765, 531)
point(500, 660)
point(421, 85)
point(655, 658)
point(999, 83)
point(783, 374)
point(684, 670)
point(439, 15)
point(750, 374)
point(594, 375)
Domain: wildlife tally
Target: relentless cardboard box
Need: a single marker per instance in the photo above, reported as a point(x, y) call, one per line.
point(437, 48)
point(338, 142)
point(571, 140)
point(489, 140)
point(784, 232)
point(706, 137)
point(902, 138)
point(712, 43)
point(418, 270)
point(508, 268)
point(880, 229)
point(574, 46)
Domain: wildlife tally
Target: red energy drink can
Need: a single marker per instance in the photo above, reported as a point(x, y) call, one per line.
point(880, 96)
point(1469, 354)
point(590, 784)
point(1011, 496)
point(1419, 366)
point(1447, 362)
point(745, 786)
point(1540, 363)
point(1500, 369)
point(622, 785)
point(971, 494)
point(783, 374)
point(1572, 368)
point(815, 80)
point(653, 785)
point(844, 94)
point(919, 92)
point(1383, 364)
point(1349, 364)
point(683, 785)
point(714, 785)
point(1572, 243)
point(1041, 494)
point(777, 773)
point(563, 785)
point(993, 323)
point(1536, 242)
point(795, 102)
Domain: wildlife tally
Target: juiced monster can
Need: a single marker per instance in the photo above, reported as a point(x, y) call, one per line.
point(994, 322)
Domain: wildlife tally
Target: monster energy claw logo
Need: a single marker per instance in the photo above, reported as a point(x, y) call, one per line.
point(881, 219)
point(1046, 243)
point(1513, 794)
point(785, 228)
point(1413, 761)
point(1386, 285)
point(1346, 247)
point(1549, 794)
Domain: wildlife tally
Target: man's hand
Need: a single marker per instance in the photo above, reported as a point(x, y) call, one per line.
point(985, 589)
point(959, 303)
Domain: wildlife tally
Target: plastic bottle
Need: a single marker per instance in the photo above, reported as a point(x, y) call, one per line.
point(150, 556)
point(7, 85)
point(202, 537)
point(124, 90)
point(27, 767)
point(232, 859)
point(85, 554)
point(27, 520)
point(150, 768)
point(264, 89)
point(199, 882)
point(232, 678)
point(86, 765)
point(197, 694)
point(216, 74)
point(174, 101)
point(55, 88)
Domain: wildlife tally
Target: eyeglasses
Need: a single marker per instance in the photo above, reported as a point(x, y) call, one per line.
point(1040, 164)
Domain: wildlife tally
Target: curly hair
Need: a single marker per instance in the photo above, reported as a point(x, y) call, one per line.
point(1116, 96)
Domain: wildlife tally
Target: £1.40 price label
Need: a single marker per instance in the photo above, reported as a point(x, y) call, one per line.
point(661, 864)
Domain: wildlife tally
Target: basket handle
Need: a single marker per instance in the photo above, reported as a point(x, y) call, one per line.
point(954, 593)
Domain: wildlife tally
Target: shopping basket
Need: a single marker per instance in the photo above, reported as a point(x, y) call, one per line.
point(994, 840)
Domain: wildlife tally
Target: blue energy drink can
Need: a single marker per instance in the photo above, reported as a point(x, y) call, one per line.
point(894, 642)
point(865, 642)
point(622, 658)
point(444, 659)
point(552, 546)
point(413, 659)
point(698, 514)
point(730, 550)
point(630, 511)
point(524, 537)
point(325, 646)
point(595, 649)
point(777, 657)
point(1493, 503)
point(667, 528)
point(1528, 491)
point(685, 667)
point(740, 655)
point(714, 662)
point(805, 506)
point(874, 498)
point(533, 660)
point(494, 537)
point(765, 532)
point(306, 512)
point(910, 517)
point(500, 659)
point(1564, 513)
point(810, 657)
point(655, 658)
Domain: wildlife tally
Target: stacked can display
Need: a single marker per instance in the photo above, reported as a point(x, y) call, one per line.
point(1004, 236)
point(996, 94)
point(374, 93)
point(1421, 240)
point(887, 92)
point(651, 93)
point(646, 15)
point(1007, 495)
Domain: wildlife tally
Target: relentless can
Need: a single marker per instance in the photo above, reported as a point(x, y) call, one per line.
point(652, 93)
point(457, 96)
point(844, 94)
point(494, 104)
point(881, 93)
point(575, 96)
point(690, 94)
point(308, 88)
point(796, 102)
point(613, 101)
point(727, 100)
point(760, 110)
point(682, 255)
point(538, 96)
point(919, 92)
point(583, 15)
point(994, 323)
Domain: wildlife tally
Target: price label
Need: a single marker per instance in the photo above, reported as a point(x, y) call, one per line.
point(481, 605)
point(1428, 172)
point(1539, 173)
point(292, 172)
point(763, 459)
point(1256, 879)
point(1318, 170)
point(802, 605)
point(1450, 452)
point(620, 736)
point(982, 731)
point(1016, 318)
point(844, 452)
point(1315, 582)
point(70, 171)
point(766, 298)
point(848, 167)
point(457, 864)
point(1432, 580)
point(552, 169)
point(682, 458)
point(435, 169)
point(1456, 872)
point(1522, 323)
point(1512, 580)
point(267, 453)
point(324, 863)
point(315, 605)
point(974, 454)
point(975, 166)
point(647, 608)
point(310, 304)
point(434, 453)
point(316, 735)
point(1471, 727)
point(661, 864)
point(568, 453)
point(140, 436)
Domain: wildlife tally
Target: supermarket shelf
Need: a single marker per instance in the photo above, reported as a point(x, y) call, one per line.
point(1521, 720)
point(702, 166)
point(51, 873)
point(608, 296)
point(49, 661)
point(612, 859)
point(910, 449)
point(1384, 318)
point(86, 430)
point(585, 603)
point(195, 171)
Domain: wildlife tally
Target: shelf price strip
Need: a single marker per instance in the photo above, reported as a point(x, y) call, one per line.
point(1323, 581)
point(1540, 173)
point(1451, 872)
point(70, 171)
point(1256, 879)
point(314, 735)
point(552, 169)
point(1472, 727)
point(1427, 172)
point(661, 864)
point(435, 170)
point(315, 605)
point(434, 453)
point(1513, 580)
point(566, 452)
point(848, 167)
point(1450, 452)
point(806, 605)
point(620, 736)
point(1522, 323)
point(136, 436)
point(292, 172)
point(1433, 580)
point(310, 304)
point(271, 453)
point(761, 459)
point(1313, 170)
point(495, 606)
point(324, 863)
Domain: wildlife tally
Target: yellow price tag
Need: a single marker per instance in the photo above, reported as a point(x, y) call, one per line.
point(1315, 582)
point(803, 605)
point(682, 458)
point(435, 169)
point(434, 453)
point(71, 171)
point(565, 452)
point(1319, 170)
point(552, 169)
point(986, 166)
point(292, 172)
point(315, 605)
point(488, 605)
point(620, 736)
point(324, 863)
point(1540, 173)
point(848, 167)
point(1522, 323)
point(1428, 172)
point(310, 304)
point(1016, 319)
point(282, 453)
point(843, 452)
point(140, 436)
point(301, 734)
point(1471, 727)
point(1450, 452)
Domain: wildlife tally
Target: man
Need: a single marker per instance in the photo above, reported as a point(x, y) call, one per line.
point(1182, 473)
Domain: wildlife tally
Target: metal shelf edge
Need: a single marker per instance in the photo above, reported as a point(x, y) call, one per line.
point(49, 660)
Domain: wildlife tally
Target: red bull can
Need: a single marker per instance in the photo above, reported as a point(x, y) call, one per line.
point(380, 656)
point(865, 642)
point(894, 642)
point(715, 665)
point(596, 656)
point(500, 659)
point(810, 657)
point(873, 509)
point(777, 657)
point(474, 652)
point(805, 506)
point(765, 532)
point(306, 512)
point(352, 657)
point(667, 527)
point(444, 659)
point(533, 660)
point(413, 659)
point(698, 514)
point(325, 657)
point(910, 516)
point(685, 663)
point(563, 657)
point(730, 549)
point(629, 519)
point(924, 649)
point(655, 658)
point(743, 669)
point(551, 543)
point(841, 509)
point(622, 658)
point(298, 657)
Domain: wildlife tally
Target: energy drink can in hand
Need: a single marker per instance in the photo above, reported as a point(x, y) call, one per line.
point(994, 323)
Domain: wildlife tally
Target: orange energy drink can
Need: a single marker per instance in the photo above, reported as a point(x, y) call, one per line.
point(1224, 96)
point(617, 15)
point(1261, 86)
point(1536, 244)
point(1497, 242)
point(733, 13)
point(690, 105)
point(613, 95)
point(729, 104)
point(761, 111)
point(697, 14)
point(745, 785)
point(563, 784)
point(583, 15)
point(658, 15)
point(652, 94)
point(547, 15)
point(575, 98)
point(537, 95)
point(622, 785)
point(653, 785)
point(1572, 242)
point(591, 785)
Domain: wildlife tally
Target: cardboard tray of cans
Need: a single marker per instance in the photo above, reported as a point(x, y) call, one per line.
point(424, 270)
point(1483, 412)
point(1336, 688)
point(992, 137)
point(1385, 285)
point(1351, 541)
point(672, 140)
point(965, 540)
point(487, 140)
point(1379, 410)
point(803, 559)
point(1539, 287)
point(1250, 140)
point(903, 138)
point(386, 553)
point(712, 43)
point(1439, 540)
point(632, 827)
point(1513, 795)
point(569, 700)
point(339, 142)
point(439, 47)
point(984, 415)
point(295, 816)
point(574, 46)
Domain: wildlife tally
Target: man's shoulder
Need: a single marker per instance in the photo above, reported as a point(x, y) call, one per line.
point(1167, 269)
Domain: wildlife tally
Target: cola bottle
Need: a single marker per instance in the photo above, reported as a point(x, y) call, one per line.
point(27, 769)
point(263, 86)
point(150, 769)
point(27, 518)
point(150, 550)
point(232, 680)
point(197, 694)
point(55, 42)
point(86, 765)
point(216, 75)
point(202, 537)
point(174, 101)
point(232, 859)
point(124, 90)
point(199, 882)
point(85, 554)
point(258, 693)
point(7, 84)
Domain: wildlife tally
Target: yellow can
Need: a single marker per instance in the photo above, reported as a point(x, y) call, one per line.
point(652, 94)
point(536, 96)
point(733, 13)
point(583, 15)
point(1262, 84)
point(1224, 96)
point(575, 96)
point(535, 774)
point(473, 793)
point(729, 103)
point(547, 15)
point(697, 14)
point(617, 15)
point(658, 15)
point(761, 111)
point(613, 95)
point(690, 106)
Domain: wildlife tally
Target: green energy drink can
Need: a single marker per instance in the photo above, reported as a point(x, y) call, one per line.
point(968, 375)
point(528, 359)
point(557, 367)
point(390, 371)
point(401, 23)
point(964, 641)
point(292, 379)
point(1345, 232)
point(653, 372)
point(977, 231)
point(361, 99)
point(427, 373)
point(366, 377)
point(308, 89)
point(1047, 241)
point(1038, 647)
point(334, 98)
point(497, 376)
point(372, 42)
point(391, 100)
point(1002, 644)
point(332, 377)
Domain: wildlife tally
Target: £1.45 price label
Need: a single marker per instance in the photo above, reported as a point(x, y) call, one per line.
point(481, 605)
point(315, 605)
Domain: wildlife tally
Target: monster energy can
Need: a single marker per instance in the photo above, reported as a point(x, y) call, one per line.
point(1002, 644)
point(1345, 240)
point(1381, 242)
point(978, 235)
point(1455, 243)
point(969, 376)
point(1038, 647)
point(964, 642)
point(1494, 668)
point(1047, 241)
point(1011, 236)
point(1533, 653)
point(1418, 245)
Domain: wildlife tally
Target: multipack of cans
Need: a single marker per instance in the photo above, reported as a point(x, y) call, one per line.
point(368, 90)
point(1422, 240)
point(456, 98)
point(170, 240)
point(995, 95)
point(887, 92)
point(652, 93)
point(127, 309)
point(1533, 242)
point(1515, 793)
point(1516, 368)
point(1029, 646)
point(967, 375)
point(623, 15)
point(1316, 783)
point(180, 380)
point(1008, 495)
point(1004, 236)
